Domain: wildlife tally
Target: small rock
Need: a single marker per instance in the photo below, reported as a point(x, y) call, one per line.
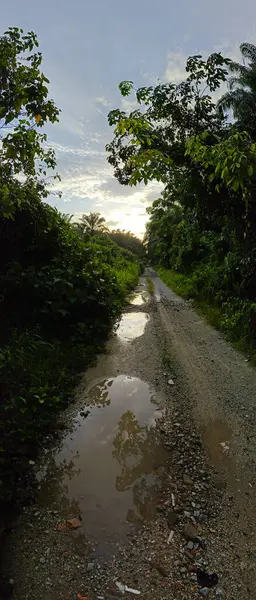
point(190, 546)
point(84, 413)
point(190, 532)
point(73, 523)
point(170, 382)
point(172, 518)
point(162, 570)
point(187, 480)
point(204, 592)
point(90, 566)
point(42, 560)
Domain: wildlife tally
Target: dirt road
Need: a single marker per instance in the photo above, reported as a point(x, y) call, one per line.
point(150, 481)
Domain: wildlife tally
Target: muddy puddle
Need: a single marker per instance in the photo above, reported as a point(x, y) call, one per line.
point(138, 299)
point(217, 436)
point(109, 470)
point(132, 325)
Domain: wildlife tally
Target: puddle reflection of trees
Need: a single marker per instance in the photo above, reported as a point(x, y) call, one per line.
point(99, 394)
point(136, 449)
point(140, 455)
point(54, 490)
point(54, 495)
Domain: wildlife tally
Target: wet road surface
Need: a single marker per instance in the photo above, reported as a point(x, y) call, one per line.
point(140, 458)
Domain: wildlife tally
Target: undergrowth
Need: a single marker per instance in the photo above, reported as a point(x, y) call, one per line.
point(150, 286)
point(61, 294)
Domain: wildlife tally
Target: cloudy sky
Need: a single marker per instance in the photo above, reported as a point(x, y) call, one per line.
point(89, 46)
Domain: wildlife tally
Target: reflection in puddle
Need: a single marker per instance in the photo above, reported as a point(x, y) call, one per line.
point(108, 470)
point(138, 299)
point(132, 325)
point(217, 436)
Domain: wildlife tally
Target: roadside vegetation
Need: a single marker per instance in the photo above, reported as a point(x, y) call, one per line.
point(62, 285)
point(201, 233)
point(150, 286)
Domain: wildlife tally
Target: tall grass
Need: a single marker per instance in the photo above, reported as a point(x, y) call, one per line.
point(236, 317)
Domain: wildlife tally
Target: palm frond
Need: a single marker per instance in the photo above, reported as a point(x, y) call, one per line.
point(233, 82)
point(93, 223)
point(232, 99)
point(248, 51)
point(241, 97)
point(238, 69)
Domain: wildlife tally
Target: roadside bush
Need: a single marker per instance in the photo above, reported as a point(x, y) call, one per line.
point(59, 297)
point(209, 286)
point(238, 320)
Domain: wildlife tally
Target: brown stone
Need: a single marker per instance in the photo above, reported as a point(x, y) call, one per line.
point(162, 570)
point(190, 532)
point(187, 479)
point(172, 518)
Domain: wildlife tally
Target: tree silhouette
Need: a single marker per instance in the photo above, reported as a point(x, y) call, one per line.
point(139, 454)
point(92, 223)
point(241, 97)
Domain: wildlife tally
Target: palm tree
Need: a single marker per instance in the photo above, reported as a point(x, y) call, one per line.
point(92, 223)
point(68, 218)
point(241, 97)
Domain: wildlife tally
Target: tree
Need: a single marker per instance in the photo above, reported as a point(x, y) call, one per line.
point(92, 224)
point(24, 109)
point(150, 141)
point(67, 217)
point(127, 240)
point(241, 97)
point(164, 217)
point(204, 224)
point(155, 142)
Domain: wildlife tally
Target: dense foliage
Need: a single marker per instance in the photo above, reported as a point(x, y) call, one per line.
point(129, 241)
point(60, 296)
point(203, 226)
point(60, 290)
point(94, 224)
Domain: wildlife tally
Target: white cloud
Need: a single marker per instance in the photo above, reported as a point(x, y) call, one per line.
point(175, 71)
point(129, 104)
point(102, 100)
point(62, 149)
point(112, 224)
point(87, 182)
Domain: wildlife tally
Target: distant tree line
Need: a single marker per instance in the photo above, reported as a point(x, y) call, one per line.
point(94, 224)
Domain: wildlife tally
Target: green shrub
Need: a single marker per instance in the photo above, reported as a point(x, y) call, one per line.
point(208, 287)
point(60, 297)
point(177, 282)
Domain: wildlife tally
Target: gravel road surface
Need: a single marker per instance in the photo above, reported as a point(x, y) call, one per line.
point(149, 481)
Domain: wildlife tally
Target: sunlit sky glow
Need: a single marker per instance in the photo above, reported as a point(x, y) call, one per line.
point(89, 46)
